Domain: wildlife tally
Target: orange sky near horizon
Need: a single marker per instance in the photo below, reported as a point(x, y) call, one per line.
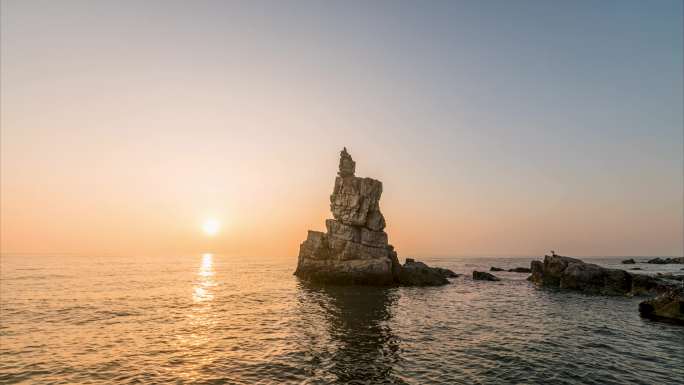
point(125, 126)
point(268, 215)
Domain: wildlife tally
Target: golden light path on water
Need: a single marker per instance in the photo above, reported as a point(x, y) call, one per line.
point(202, 291)
point(201, 319)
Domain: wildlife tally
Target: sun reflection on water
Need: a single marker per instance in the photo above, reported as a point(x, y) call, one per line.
point(201, 318)
point(202, 291)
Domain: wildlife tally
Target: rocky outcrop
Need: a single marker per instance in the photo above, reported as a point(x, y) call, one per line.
point(668, 306)
point(446, 272)
point(355, 249)
point(664, 261)
point(671, 276)
point(630, 261)
point(574, 274)
point(646, 285)
point(484, 276)
point(419, 274)
point(513, 270)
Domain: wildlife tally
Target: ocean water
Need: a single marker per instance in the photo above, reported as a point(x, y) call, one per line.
point(213, 319)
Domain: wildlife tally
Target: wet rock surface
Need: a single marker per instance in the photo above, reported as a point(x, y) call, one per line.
point(355, 249)
point(666, 306)
point(671, 276)
point(574, 274)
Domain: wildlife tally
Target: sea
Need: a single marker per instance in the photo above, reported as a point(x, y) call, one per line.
point(213, 319)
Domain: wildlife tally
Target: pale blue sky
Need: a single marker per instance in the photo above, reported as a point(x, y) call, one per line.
point(497, 127)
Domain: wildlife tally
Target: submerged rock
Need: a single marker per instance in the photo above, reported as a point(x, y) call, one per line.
point(520, 270)
point(630, 261)
point(574, 274)
point(355, 249)
point(484, 276)
point(496, 269)
point(668, 305)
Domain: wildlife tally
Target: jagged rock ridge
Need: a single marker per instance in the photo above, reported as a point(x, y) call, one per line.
point(355, 249)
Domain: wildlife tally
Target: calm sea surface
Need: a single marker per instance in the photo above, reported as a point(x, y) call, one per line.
point(214, 319)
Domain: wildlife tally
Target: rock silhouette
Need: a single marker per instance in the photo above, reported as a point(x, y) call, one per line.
point(484, 276)
point(355, 249)
point(665, 261)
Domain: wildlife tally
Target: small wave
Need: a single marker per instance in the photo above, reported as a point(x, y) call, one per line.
point(111, 325)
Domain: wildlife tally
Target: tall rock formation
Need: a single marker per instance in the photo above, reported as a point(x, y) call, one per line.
point(354, 249)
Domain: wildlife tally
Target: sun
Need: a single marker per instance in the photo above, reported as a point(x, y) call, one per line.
point(211, 227)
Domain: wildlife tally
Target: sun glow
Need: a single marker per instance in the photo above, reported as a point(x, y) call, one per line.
point(211, 227)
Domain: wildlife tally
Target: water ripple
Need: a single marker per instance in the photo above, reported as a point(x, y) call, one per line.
point(213, 320)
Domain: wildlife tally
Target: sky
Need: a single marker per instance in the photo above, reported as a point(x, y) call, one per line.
point(498, 128)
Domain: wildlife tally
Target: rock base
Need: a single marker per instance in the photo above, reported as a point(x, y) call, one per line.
point(325, 258)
